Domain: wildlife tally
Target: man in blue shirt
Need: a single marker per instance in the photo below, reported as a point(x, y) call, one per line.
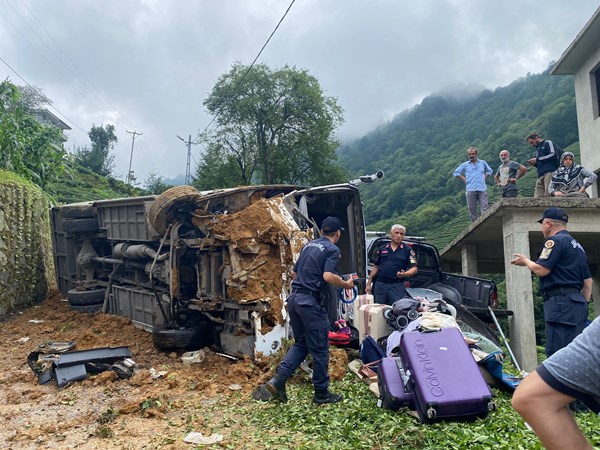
point(565, 280)
point(546, 162)
point(316, 267)
point(473, 173)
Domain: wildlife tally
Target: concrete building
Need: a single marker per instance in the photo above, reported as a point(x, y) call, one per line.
point(582, 60)
point(510, 226)
point(45, 117)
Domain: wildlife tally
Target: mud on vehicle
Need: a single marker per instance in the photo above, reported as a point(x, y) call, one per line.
point(200, 268)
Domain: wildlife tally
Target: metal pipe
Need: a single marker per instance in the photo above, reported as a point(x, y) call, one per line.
point(514, 360)
point(103, 259)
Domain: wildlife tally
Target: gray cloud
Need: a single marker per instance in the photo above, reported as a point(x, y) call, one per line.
point(147, 65)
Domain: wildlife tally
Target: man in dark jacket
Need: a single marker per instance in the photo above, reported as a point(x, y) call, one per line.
point(546, 161)
point(316, 266)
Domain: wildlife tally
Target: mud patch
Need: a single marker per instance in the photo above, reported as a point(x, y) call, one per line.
point(143, 411)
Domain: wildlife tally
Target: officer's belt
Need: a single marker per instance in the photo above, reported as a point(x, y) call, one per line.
point(389, 280)
point(560, 291)
point(305, 291)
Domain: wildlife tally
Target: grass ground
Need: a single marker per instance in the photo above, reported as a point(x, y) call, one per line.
point(358, 423)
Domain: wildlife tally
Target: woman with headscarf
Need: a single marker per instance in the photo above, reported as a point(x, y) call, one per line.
point(570, 179)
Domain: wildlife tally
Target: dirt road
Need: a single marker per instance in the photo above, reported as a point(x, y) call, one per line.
point(102, 411)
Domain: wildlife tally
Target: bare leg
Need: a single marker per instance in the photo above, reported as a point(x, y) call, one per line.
point(547, 411)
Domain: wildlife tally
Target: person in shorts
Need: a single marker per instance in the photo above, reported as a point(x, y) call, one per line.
point(543, 397)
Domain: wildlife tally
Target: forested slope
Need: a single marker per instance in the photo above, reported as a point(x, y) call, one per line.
point(421, 147)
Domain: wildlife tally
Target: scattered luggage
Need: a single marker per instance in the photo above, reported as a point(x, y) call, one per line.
point(371, 321)
point(443, 377)
point(371, 351)
point(364, 299)
point(390, 379)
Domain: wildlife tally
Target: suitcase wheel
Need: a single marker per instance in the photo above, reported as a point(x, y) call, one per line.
point(431, 413)
point(491, 406)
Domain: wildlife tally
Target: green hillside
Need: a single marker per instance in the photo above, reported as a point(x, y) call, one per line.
point(421, 147)
point(78, 184)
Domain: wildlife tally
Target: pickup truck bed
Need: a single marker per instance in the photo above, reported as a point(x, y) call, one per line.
point(475, 293)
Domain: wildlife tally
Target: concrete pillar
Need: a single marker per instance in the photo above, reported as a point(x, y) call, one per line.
point(519, 293)
point(468, 254)
point(596, 289)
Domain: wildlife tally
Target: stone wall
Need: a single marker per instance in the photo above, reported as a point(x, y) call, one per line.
point(26, 265)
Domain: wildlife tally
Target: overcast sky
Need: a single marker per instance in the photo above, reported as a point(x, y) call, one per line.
point(147, 65)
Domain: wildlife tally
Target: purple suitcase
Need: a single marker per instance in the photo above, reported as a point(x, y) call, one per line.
point(443, 376)
point(392, 392)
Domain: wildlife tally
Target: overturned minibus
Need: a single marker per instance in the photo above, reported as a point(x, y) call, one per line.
point(201, 268)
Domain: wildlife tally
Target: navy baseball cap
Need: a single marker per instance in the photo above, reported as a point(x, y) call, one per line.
point(555, 214)
point(331, 224)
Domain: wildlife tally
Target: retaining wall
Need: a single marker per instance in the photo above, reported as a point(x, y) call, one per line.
point(26, 266)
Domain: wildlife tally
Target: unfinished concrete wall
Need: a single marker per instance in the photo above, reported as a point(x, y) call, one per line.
point(26, 267)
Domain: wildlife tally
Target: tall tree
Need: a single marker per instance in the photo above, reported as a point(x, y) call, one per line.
point(273, 126)
point(27, 147)
point(33, 97)
point(99, 158)
point(155, 184)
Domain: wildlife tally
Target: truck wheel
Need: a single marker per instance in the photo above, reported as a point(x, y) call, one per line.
point(88, 309)
point(190, 338)
point(86, 225)
point(178, 199)
point(78, 211)
point(86, 298)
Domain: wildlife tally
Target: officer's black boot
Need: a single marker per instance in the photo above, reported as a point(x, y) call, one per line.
point(324, 396)
point(276, 387)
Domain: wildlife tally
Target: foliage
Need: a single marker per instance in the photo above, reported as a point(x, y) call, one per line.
point(155, 184)
point(81, 184)
point(25, 257)
point(27, 147)
point(273, 127)
point(421, 147)
point(32, 97)
point(358, 423)
point(107, 416)
point(99, 158)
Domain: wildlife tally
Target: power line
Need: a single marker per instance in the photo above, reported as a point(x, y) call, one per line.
point(188, 143)
point(133, 134)
point(39, 93)
point(61, 49)
point(238, 84)
point(99, 96)
point(62, 75)
point(47, 46)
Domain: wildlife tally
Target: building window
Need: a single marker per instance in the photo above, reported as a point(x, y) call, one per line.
point(595, 78)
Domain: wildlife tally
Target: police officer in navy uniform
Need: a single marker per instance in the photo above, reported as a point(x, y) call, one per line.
point(316, 266)
point(565, 280)
point(396, 261)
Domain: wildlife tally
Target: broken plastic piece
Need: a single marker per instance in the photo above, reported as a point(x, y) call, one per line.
point(198, 438)
point(195, 357)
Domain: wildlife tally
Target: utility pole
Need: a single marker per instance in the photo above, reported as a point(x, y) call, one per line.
point(188, 174)
point(133, 134)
